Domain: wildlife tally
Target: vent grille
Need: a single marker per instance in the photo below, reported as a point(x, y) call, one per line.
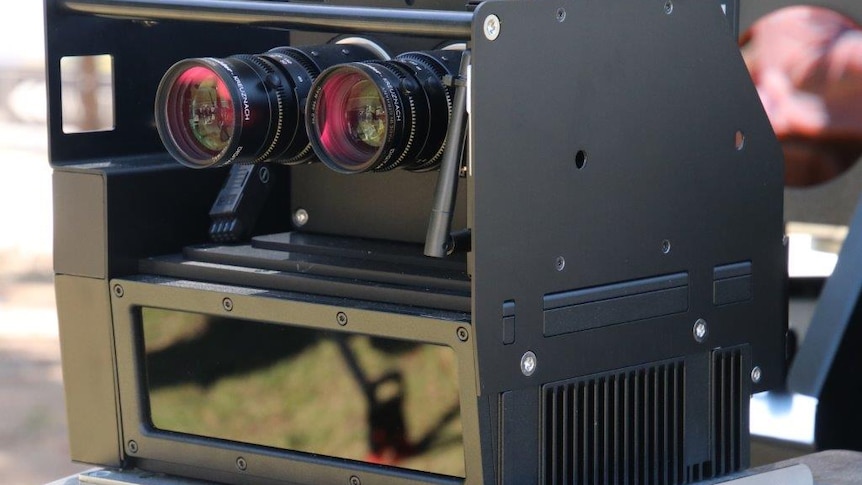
point(729, 420)
point(620, 428)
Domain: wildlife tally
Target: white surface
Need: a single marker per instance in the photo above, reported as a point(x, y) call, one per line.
point(785, 417)
point(804, 261)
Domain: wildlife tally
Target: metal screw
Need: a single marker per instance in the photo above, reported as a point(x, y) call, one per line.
point(785, 240)
point(227, 304)
point(119, 291)
point(668, 7)
point(463, 334)
point(560, 263)
point(300, 217)
point(700, 330)
point(529, 363)
point(354, 480)
point(241, 464)
point(756, 374)
point(132, 445)
point(561, 14)
point(492, 27)
point(665, 246)
point(263, 175)
point(341, 318)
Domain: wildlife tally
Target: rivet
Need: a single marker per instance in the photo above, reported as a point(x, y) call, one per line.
point(560, 263)
point(756, 374)
point(700, 330)
point(561, 14)
point(300, 217)
point(529, 362)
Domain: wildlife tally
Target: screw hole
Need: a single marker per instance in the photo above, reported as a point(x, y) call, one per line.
point(668, 7)
point(561, 14)
point(580, 159)
point(739, 140)
point(665, 246)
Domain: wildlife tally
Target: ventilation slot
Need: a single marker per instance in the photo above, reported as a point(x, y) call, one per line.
point(730, 395)
point(619, 428)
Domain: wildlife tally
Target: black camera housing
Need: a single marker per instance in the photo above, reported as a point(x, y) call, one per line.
point(622, 296)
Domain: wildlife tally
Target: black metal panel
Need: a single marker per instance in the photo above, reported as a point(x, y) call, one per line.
point(653, 100)
point(141, 53)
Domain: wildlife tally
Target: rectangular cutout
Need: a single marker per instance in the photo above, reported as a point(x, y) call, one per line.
point(575, 311)
point(87, 91)
point(731, 283)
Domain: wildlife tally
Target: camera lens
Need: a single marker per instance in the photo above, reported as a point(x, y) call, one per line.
point(380, 115)
point(245, 108)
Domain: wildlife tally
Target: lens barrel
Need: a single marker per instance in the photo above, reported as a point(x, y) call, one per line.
point(245, 108)
point(381, 115)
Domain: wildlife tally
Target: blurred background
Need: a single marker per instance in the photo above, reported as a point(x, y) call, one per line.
point(33, 444)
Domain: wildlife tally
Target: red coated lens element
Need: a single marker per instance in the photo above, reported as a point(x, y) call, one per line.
point(351, 119)
point(200, 113)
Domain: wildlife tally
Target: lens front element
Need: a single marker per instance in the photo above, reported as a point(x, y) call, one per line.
point(200, 111)
point(380, 115)
point(244, 108)
point(351, 121)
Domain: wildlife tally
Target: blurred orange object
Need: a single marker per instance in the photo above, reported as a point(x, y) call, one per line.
point(807, 65)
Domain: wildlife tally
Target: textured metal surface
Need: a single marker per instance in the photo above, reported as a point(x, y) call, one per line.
point(654, 102)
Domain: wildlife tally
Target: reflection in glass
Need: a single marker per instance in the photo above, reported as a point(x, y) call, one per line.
point(376, 400)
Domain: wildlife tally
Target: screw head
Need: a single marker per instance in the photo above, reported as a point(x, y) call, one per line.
point(665, 246)
point(529, 362)
point(119, 291)
point(756, 374)
point(668, 7)
point(300, 217)
point(560, 263)
point(491, 27)
point(227, 304)
point(263, 175)
point(241, 464)
point(132, 446)
point(341, 318)
point(354, 480)
point(700, 330)
point(463, 334)
point(561, 14)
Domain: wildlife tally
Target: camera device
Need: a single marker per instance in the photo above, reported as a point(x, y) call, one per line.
point(375, 242)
